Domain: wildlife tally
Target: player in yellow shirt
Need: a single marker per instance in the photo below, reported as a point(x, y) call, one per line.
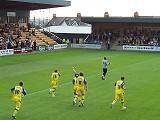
point(75, 86)
point(54, 82)
point(119, 92)
point(81, 89)
point(17, 93)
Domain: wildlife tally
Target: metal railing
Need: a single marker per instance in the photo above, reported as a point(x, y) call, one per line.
point(53, 36)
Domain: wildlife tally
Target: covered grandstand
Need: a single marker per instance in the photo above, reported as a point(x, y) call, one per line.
point(136, 30)
point(15, 29)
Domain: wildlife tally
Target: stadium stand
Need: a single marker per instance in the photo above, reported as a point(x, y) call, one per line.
point(15, 29)
point(20, 37)
point(118, 31)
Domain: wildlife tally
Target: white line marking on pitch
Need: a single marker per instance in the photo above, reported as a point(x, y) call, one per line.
point(48, 89)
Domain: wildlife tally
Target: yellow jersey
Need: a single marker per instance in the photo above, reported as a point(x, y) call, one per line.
point(55, 76)
point(81, 81)
point(17, 93)
point(75, 83)
point(119, 86)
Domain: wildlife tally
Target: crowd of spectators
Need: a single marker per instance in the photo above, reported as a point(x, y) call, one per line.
point(145, 37)
point(126, 37)
point(11, 36)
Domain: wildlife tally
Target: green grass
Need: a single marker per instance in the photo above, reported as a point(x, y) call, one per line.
point(141, 70)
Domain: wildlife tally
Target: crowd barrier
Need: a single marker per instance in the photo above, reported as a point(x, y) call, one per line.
point(62, 46)
point(23, 50)
point(141, 48)
point(89, 46)
point(15, 51)
point(6, 52)
point(29, 50)
point(51, 47)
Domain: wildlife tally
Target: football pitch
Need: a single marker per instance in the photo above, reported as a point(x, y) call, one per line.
point(140, 69)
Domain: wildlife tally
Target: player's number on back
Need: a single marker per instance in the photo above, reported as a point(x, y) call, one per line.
point(17, 92)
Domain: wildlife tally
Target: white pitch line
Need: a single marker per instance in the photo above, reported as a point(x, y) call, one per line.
point(37, 92)
point(47, 89)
